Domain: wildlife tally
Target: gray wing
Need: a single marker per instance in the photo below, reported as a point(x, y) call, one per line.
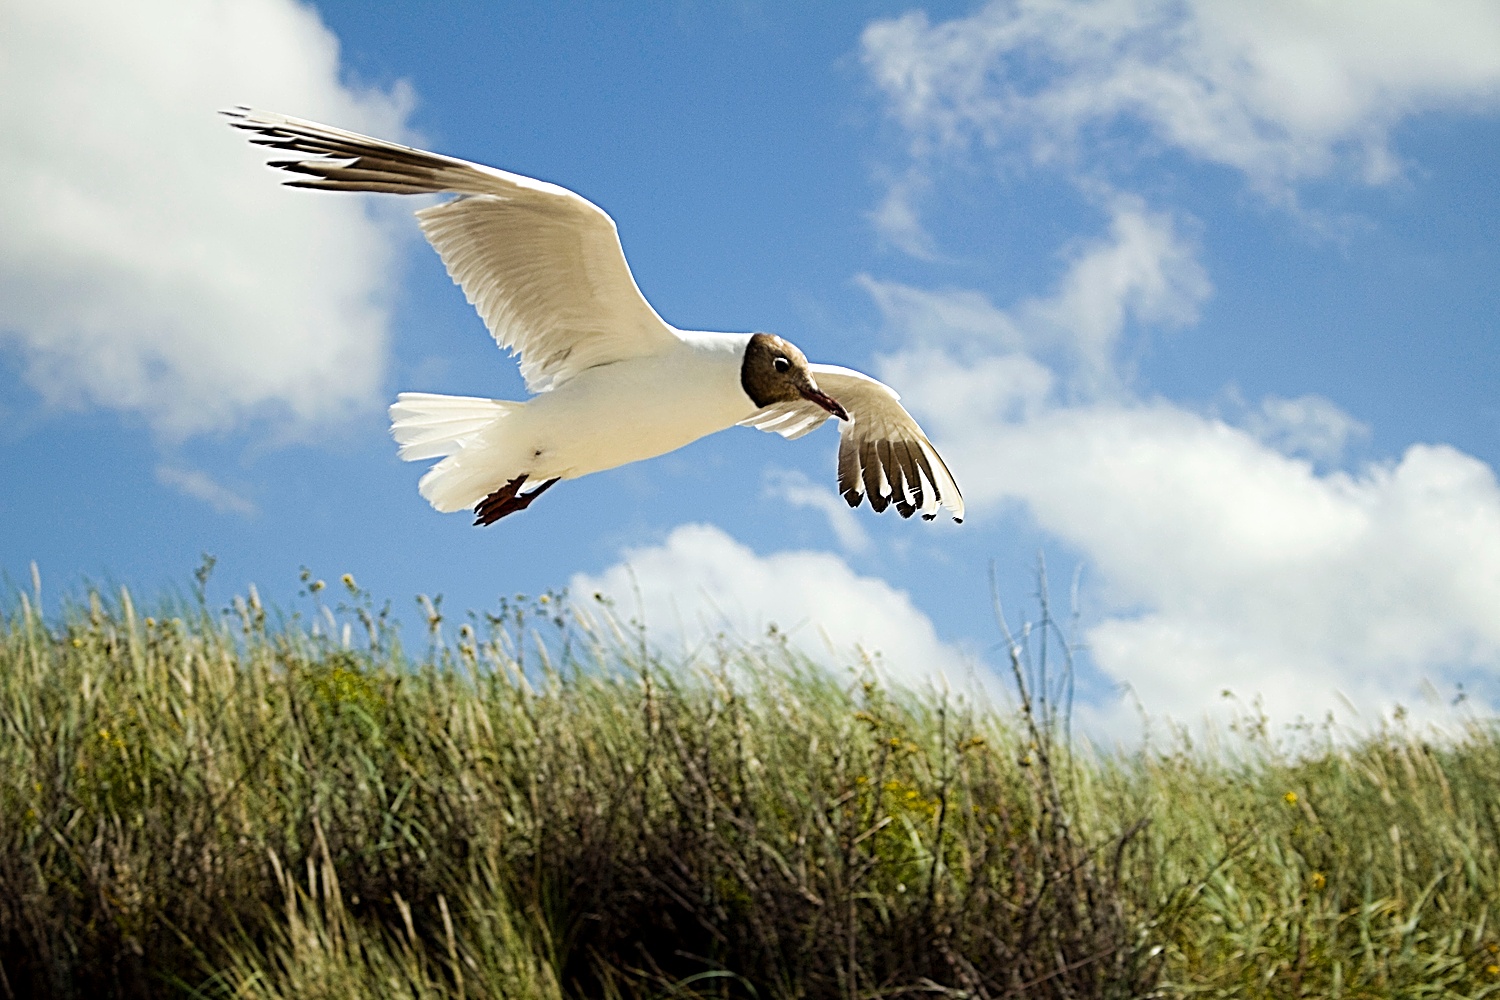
point(883, 453)
point(543, 266)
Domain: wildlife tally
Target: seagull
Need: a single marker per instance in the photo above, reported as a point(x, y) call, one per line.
point(612, 382)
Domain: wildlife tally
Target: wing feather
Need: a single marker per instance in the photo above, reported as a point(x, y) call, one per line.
point(849, 471)
point(542, 265)
point(913, 494)
point(883, 454)
point(869, 458)
point(929, 502)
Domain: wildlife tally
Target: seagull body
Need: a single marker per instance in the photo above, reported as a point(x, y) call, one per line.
point(599, 419)
point(614, 383)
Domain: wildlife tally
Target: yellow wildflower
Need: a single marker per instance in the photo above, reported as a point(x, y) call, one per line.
point(1290, 798)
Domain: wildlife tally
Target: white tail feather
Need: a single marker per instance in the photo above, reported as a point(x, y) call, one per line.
point(428, 425)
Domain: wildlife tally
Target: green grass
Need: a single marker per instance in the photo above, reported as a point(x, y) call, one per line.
point(210, 804)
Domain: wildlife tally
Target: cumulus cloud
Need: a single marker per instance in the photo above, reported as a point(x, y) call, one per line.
point(1242, 554)
point(1222, 555)
point(1143, 272)
point(148, 260)
point(700, 583)
point(1281, 91)
point(1309, 425)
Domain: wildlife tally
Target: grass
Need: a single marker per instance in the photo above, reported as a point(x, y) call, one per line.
point(224, 804)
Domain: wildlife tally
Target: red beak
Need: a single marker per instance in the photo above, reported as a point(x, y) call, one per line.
point(826, 401)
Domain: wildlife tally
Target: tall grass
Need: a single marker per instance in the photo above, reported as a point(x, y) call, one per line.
point(231, 805)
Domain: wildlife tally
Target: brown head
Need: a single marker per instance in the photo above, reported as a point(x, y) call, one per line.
point(774, 371)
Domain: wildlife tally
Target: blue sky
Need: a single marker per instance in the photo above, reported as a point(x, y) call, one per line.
point(1200, 304)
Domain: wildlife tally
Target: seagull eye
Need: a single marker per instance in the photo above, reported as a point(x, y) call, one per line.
point(783, 365)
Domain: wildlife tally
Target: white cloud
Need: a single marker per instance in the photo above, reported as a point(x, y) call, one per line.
point(1222, 560)
point(1281, 90)
point(1309, 425)
point(148, 260)
point(202, 486)
point(1224, 556)
point(953, 317)
point(799, 491)
point(899, 222)
point(1144, 272)
point(700, 582)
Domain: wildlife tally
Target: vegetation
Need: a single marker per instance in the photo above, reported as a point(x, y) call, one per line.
point(219, 804)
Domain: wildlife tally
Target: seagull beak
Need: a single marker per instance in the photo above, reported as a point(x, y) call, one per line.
point(826, 401)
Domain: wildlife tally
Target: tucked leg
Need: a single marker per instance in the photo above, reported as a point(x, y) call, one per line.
point(507, 500)
point(488, 510)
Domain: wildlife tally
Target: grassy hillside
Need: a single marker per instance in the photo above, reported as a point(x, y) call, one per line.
point(219, 804)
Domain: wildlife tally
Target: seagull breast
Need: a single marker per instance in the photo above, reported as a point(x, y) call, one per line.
point(637, 408)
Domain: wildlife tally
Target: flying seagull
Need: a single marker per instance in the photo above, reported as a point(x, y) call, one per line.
point(614, 383)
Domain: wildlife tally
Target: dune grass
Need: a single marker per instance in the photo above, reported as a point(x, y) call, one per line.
point(210, 803)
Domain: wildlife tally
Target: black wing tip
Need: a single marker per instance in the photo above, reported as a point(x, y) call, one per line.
point(853, 498)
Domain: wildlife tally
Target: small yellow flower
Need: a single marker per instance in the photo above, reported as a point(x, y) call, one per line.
point(77, 643)
point(151, 622)
point(861, 780)
point(1290, 798)
point(316, 586)
point(1492, 969)
point(544, 599)
point(1319, 880)
point(348, 580)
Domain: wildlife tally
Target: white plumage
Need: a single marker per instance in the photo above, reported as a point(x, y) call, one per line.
point(614, 382)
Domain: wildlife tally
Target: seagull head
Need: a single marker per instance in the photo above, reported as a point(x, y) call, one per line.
point(775, 371)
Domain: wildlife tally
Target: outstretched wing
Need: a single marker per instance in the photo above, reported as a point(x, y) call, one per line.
point(883, 454)
point(542, 265)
